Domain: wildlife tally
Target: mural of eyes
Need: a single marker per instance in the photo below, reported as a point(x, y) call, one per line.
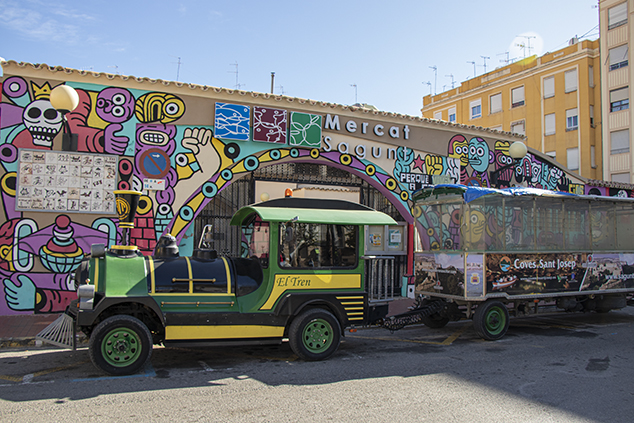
point(459, 149)
point(503, 160)
point(159, 107)
point(115, 105)
point(478, 154)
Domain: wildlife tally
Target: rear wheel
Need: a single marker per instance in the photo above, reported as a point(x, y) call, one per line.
point(120, 345)
point(491, 320)
point(315, 335)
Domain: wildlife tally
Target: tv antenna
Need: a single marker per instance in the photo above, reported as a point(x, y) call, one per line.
point(178, 68)
point(452, 81)
point(507, 60)
point(485, 62)
point(116, 69)
point(355, 93)
point(474, 68)
point(435, 78)
point(528, 43)
point(238, 85)
point(429, 84)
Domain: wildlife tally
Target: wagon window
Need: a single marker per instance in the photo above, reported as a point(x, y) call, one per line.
point(602, 228)
point(625, 223)
point(309, 245)
point(438, 226)
point(549, 224)
point(577, 225)
point(520, 229)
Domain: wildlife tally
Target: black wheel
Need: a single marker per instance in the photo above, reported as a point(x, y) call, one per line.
point(315, 335)
point(491, 320)
point(434, 321)
point(120, 345)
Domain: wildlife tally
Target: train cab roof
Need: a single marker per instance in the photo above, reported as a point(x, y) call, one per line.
point(313, 210)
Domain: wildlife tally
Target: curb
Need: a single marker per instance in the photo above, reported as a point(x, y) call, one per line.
point(31, 342)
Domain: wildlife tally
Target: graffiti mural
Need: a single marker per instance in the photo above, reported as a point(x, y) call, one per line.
point(181, 151)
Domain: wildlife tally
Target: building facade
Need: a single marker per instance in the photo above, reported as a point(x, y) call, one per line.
point(554, 100)
point(197, 154)
point(616, 28)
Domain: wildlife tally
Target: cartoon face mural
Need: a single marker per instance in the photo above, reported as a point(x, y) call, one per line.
point(115, 105)
point(159, 107)
point(478, 154)
point(459, 148)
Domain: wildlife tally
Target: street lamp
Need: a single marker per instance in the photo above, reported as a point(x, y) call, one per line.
point(517, 151)
point(65, 99)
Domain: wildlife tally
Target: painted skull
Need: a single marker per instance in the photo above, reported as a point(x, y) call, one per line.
point(42, 121)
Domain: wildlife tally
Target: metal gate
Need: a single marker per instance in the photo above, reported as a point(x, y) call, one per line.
point(383, 273)
point(226, 238)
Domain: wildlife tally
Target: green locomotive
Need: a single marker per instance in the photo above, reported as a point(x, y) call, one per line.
point(300, 278)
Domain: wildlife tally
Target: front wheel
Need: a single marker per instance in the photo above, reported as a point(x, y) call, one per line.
point(120, 345)
point(491, 320)
point(315, 335)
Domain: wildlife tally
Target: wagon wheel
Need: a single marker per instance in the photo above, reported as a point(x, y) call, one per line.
point(491, 320)
point(120, 345)
point(435, 320)
point(315, 335)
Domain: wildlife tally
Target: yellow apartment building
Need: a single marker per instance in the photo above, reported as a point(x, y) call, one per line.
point(616, 27)
point(553, 100)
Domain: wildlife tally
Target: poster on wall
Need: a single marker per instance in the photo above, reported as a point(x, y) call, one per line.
point(63, 181)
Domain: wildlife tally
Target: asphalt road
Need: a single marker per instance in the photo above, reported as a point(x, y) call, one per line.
point(555, 368)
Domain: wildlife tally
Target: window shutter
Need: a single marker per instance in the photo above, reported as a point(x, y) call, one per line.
point(549, 87)
point(571, 80)
point(496, 103)
point(549, 124)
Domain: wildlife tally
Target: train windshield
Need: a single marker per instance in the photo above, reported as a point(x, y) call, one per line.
point(255, 240)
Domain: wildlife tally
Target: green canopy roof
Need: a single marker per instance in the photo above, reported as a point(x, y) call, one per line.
point(312, 215)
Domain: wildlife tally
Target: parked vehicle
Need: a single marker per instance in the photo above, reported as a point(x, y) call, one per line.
point(487, 254)
point(300, 278)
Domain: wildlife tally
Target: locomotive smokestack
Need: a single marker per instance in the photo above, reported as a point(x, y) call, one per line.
point(127, 202)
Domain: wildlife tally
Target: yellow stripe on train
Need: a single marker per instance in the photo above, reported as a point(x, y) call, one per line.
point(174, 333)
point(286, 282)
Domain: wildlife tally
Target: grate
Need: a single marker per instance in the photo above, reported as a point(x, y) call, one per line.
point(60, 333)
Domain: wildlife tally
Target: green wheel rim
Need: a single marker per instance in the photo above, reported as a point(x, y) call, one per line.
point(495, 321)
point(121, 347)
point(317, 336)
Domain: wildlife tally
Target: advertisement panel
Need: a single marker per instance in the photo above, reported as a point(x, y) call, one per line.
point(440, 273)
point(519, 274)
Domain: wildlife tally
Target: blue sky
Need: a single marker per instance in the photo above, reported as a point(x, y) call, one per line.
point(317, 49)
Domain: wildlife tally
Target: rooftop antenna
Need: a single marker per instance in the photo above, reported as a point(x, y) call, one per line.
point(435, 78)
point(281, 88)
point(474, 68)
point(238, 85)
point(507, 60)
point(452, 81)
point(528, 42)
point(116, 69)
point(178, 68)
point(355, 93)
point(485, 62)
point(428, 83)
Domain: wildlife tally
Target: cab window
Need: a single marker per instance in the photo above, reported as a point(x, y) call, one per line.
point(309, 245)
